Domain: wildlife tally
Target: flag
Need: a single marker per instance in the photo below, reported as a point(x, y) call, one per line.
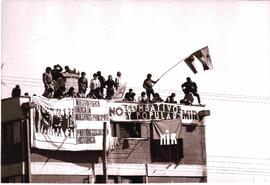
point(167, 131)
point(203, 56)
point(120, 92)
point(190, 62)
point(166, 142)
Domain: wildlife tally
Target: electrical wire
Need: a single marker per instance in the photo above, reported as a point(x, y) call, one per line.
point(213, 96)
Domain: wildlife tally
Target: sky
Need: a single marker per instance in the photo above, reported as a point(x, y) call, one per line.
point(141, 37)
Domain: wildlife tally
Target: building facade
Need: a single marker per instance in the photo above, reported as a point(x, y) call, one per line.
point(144, 148)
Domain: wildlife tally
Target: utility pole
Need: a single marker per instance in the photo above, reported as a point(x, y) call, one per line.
point(104, 153)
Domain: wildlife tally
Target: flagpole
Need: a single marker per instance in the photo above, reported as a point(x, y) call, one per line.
point(170, 69)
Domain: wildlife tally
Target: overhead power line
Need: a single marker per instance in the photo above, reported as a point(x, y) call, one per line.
point(37, 82)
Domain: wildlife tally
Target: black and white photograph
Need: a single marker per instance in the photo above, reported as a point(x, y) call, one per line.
point(135, 91)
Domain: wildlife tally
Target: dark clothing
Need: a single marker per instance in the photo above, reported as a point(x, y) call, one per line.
point(83, 84)
point(16, 92)
point(188, 99)
point(129, 96)
point(197, 95)
point(48, 93)
point(56, 73)
point(102, 81)
point(157, 99)
point(191, 87)
point(170, 99)
point(71, 94)
point(91, 95)
point(149, 92)
point(59, 93)
point(110, 89)
point(148, 85)
point(102, 84)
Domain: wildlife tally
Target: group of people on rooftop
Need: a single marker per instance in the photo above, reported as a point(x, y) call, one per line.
point(189, 88)
point(98, 84)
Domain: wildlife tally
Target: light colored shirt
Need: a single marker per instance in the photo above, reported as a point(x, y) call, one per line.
point(94, 84)
point(143, 99)
point(118, 82)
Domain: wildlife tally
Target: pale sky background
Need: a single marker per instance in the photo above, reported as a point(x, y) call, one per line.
point(138, 37)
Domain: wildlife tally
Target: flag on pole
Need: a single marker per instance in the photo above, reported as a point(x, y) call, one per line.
point(190, 62)
point(203, 56)
point(120, 92)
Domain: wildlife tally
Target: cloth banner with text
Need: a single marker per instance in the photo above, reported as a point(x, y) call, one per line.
point(167, 131)
point(166, 141)
point(132, 111)
point(72, 124)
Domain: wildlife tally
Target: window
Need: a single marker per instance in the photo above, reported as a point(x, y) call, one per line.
point(130, 130)
point(111, 179)
point(121, 179)
point(132, 179)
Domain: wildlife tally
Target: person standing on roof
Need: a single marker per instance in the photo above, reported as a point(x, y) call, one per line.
point(82, 83)
point(102, 83)
point(56, 72)
point(110, 87)
point(148, 85)
point(95, 87)
point(118, 80)
point(48, 82)
point(191, 87)
point(16, 91)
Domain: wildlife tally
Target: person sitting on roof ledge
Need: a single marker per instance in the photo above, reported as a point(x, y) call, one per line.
point(157, 98)
point(143, 98)
point(71, 93)
point(170, 99)
point(128, 96)
point(60, 92)
point(188, 99)
point(81, 94)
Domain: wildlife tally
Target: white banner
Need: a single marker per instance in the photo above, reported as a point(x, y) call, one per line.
point(69, 124)
point(121, 111)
